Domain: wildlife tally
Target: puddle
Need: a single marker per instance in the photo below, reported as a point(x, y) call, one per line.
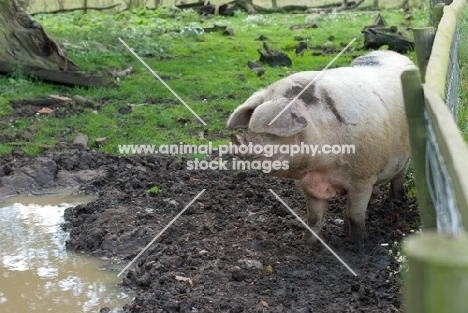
point(37, 273)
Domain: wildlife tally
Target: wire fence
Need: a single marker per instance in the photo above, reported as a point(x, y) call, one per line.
point(452, 99)
point(439, 181)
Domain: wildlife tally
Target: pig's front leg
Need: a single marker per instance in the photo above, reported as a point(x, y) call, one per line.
point(316, 209)
point(357, 206)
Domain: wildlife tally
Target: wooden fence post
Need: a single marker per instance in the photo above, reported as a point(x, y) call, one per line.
point(423, 40)
point(414, 106)
point(437, 279)
point(438, 12)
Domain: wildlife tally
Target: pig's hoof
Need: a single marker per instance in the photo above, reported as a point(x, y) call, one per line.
point(310, 239)
point(396, 192)
point(358, 236)
point(357, 230)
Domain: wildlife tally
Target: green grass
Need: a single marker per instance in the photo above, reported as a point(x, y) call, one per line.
point(202, 68)
point(463, 85)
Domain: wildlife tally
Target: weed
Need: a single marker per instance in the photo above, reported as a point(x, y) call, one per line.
point(154, 190)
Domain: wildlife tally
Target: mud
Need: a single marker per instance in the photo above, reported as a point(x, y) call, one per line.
point(236, 248)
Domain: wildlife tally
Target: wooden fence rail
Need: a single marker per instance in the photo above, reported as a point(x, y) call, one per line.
point(437, 280)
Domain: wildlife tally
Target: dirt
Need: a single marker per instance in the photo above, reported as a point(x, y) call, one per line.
point(235, 249)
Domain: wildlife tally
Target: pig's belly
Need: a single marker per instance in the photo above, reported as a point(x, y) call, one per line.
point(393, 168)
point(323, 185)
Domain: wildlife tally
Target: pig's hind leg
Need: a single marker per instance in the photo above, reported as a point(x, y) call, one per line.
point(397, 189)
point(357, 206)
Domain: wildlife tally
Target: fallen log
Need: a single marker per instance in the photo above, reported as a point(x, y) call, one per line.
point(78, 9)
point(193, 6)
point(333, 5)
point(68, 78)
point(227, 9)
point(378, 35)
point(336, 7)
point(374, 39)
point(47, 102)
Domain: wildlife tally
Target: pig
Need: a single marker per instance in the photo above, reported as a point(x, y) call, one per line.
point(360, 105)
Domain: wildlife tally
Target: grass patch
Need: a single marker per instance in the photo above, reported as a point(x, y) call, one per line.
point(463, 84)
point(208, 70)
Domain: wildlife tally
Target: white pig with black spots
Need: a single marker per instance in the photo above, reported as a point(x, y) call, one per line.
point(360, 105)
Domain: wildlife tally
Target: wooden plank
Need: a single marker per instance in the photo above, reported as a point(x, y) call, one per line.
point(451, 145)
point(438, 274)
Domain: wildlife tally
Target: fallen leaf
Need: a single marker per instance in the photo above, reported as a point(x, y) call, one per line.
point(394, 218)
point(182, 278)
point(119, 74)
point(268, 270)
point(68, 44)
point(60, 98)
point(45, 111)
point(263, 303)
point(101, 47)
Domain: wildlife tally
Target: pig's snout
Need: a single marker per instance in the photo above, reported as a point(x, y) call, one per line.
point(237, 140)
point(243, 147)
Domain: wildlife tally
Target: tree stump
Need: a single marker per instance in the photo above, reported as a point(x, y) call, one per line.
point(25, 41)
point(26, 47)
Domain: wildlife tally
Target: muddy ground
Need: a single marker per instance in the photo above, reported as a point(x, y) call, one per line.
point(236, 249)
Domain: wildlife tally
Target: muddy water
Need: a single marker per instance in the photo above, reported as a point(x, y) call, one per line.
point(37, 274)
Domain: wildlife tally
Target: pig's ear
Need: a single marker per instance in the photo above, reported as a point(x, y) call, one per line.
point(242, 114)
point(290, 122)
